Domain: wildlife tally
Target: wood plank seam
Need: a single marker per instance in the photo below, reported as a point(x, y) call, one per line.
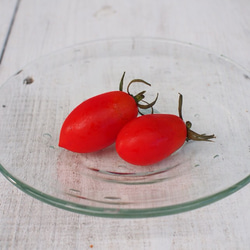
point(9, 30)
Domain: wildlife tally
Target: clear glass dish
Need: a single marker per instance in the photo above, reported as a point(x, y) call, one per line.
point(35, 101)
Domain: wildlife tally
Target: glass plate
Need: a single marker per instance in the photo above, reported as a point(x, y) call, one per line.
point(35, 101)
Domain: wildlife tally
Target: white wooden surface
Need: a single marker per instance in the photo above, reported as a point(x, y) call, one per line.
point(7, 13)
point(41, 27)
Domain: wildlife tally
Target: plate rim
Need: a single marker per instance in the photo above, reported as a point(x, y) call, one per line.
point(117, 212)
point(123, 213)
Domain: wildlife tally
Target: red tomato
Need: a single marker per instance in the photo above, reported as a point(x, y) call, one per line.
point(151, 138)
point(95, 123)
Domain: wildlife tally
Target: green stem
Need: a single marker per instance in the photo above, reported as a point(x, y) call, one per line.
point(191, 135)
point(121, 82)
point(140, 96)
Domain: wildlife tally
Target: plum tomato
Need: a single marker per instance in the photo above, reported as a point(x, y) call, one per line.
point(95, 123)
point(151, 138)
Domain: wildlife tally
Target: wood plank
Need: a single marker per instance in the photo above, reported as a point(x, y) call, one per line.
point(63, 23)
point(8, 10)
point(44, 26)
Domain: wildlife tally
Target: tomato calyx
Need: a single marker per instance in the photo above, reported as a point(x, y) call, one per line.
point(191, 135)
point(140, 96)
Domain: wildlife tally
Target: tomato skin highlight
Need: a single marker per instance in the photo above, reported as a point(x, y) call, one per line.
point(149, 139)
point(96, 122)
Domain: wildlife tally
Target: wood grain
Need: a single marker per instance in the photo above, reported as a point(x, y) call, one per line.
point(41, 27)
point(8, 11)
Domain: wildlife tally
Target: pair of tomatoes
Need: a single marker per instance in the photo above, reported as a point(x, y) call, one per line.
point(112, 117)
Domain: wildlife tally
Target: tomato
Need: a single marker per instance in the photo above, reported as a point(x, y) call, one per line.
point(95, 123)
point(149, 139)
